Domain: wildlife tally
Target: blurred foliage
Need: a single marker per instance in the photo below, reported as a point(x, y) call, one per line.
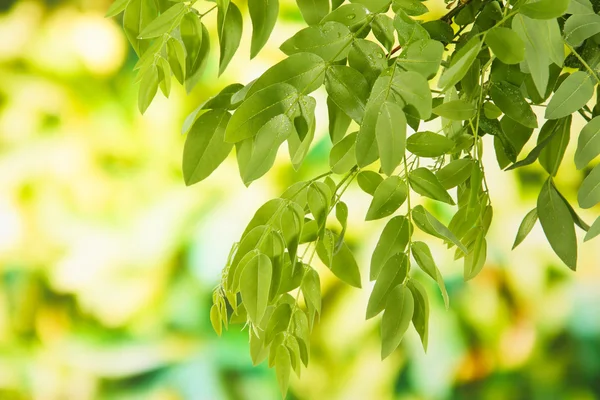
point(107, 260)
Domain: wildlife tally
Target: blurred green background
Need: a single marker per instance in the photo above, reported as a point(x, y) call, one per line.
point(107, 260)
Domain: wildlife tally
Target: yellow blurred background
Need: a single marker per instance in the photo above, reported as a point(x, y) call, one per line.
point(107, 260)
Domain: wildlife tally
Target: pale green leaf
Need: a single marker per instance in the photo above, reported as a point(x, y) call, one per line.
point(594, 230)
point(396, 319)
point(580, 27)
point(589, 192)
point(369, 181)
point(342, 156)
point(393, 240)
point(422, 56)
point(424, 182)
point(388, 197)
point(424, 259)
point(460, 64)
point(393, 273)
point(230, 27)
point(348, 89)
point(429, 224)
point(428, 144)
point(588, 145)
point(544, 9)
point(420, 318)
point(164, 23)
point(506, 45)
point(456, 110)
point(572, 94)
point(391, 136)
point(455, 173)
point(526, 226)
point(255, 282)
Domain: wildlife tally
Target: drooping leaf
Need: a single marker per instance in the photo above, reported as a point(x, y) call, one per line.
point(391, 136)
point(393, 273)
point(313, 11)
point(263, 14)
point(393, 240)
point(368, 58)
point(557, 224)
point(589, 192)
point(283, 366)
point(254, 286)
point(425, 261)
point(537, 58)
point(526, 226)
point(512, 103)
point(588, 145)
point(456, 110)
point(342, 156)
point(455, 173)
point(369, 181)
point(396, 319)
point(544, 9)
point(428, 144)
point(148, 88)
point(594, 230)
point(344, 266)
point(338, 121)
point(420, 318)
point(205, 146)
point(429, 224)
point(424, 182)
point(572, 94)
point(311, 289)
point(348, 89)
point(383, 30)
point(329, 41)
point(230, 26)
point(460, 64)
point(552, 155)
point(506, 45)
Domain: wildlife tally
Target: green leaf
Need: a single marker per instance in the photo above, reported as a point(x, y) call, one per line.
point(506, 45)
point(594, 230)
point(342, 156)
point(544, 9)
point(588, 145)
point(116, 8)
point(475, 260)
point(278, 322)
point(424, 259)
point(230, 27)
point(423, 56)
point(254, 286)
point(424, 182)
point(348, 89)
point(319, 200)
point(512, 103)
point(455, 173)
point(408, 29)
point(557, 224)
point(369, 181)
point(414, 90)
point(353, 16)
point(256, 155)
point(391, 136)
point(338, 121)
point(580, 27)
point(138, 14)
point(383, 30)
point(460, 64)
point(304, 71)
point(375, 6)
point(456, 110)
point(329, 41)
point(439, 30)
point(429, 224)
point(526, 226)
point(215, 319)
point(388, 197)
point(491, 110)
point(537, 57)
point(428, 144)
point(283, 369)
point(313, 11)
point(589, 192)
point(572, 94)
point(258, 109)
point(197, 44)
point(396, 318)
point(304, 123)
point(176, 57)
point(148, 88)
point(451, 128)
point(551, 126)
point(344, 266)
point(292, 222)
point(165, 22)
point(205, 148)
point(551, 156)
point(393, 274)
point(411, 7)
point(580, 7)
point(393, 240)
point(311, 289)
point(420, 318)
point(263, 14)
point(367, 58)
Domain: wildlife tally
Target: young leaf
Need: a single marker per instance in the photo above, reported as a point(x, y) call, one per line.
point(512, 103)
point(329, 41)
point(393, 240)
point(116, 8)
point(424, 182)
point(573, 94)
point(369, 181)
point(148, 88)
point(311, 289)
point(588, 145)
point(388, 197)
point(348, 89)
point(420, 318)
point(254, 286)
point(557, 224)
point(205, 147)
point(176, 57)
point(215, 319)
point(460, 64)
point(456, 110)
point(342, 156)
point(594, 230)
point(230, 26)
point(526, 226)
point(256, 155)
point(164, 23)
point(424, 259)
point(259, 109)
point(263, 14)
point(283, 366)
point(313, 11)
point(396, 318)
point(393, 274)
point(391, 136)
point(428, 144)
point(138, 14)
point(506, 45)
point(589, 192)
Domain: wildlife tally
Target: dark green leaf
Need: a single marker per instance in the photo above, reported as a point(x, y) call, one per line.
point(594, 230)
point(429, 224)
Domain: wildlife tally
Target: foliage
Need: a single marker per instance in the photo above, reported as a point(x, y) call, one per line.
point(495, 62)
